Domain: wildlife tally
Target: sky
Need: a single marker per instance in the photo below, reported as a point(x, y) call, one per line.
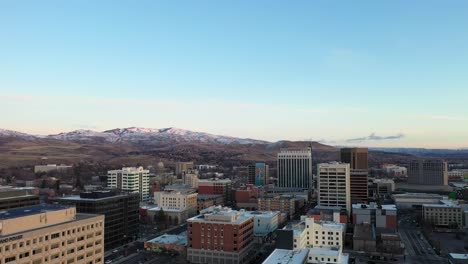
point(363, 73)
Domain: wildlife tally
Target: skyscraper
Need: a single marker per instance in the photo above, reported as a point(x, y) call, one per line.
point(295, 168)
point(428, 172)
point(358, 161)
point(258, 174)
point(334, 185)
point(356, 157)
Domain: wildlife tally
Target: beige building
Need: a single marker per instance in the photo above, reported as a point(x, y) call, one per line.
point(334, 185)
point(51, 167)
point(191, 179)
point(50, 234)
point(179, 200)
point(324, 234)
point(182, 167)
point(130, 179)
point(446, 214)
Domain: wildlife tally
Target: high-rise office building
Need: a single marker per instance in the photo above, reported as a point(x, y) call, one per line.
point(356, 157)
point(334, 185)
point(358, 161)
point(224, 236)
point(131, 179)
point(258, 174)
point(428, 172)
point(295, 168)
point(50, 234)
point(121, 212)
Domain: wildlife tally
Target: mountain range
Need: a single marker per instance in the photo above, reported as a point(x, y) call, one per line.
point(133, 145)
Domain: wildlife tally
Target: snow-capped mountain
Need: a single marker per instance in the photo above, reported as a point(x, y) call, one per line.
point(83, 135)
point(137, 134)
point(11, 133)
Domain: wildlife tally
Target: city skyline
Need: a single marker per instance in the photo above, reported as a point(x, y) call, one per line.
point(394, 77)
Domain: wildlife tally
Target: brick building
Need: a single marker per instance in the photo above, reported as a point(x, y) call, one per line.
point(224, 236)
point(216, 186)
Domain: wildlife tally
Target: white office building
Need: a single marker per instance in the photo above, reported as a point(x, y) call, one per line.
point(130, 179)
point(295, 168)
point(334, 185)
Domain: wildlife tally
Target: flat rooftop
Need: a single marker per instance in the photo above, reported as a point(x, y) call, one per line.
point(284, 256)
point(264, 214)
point(328, 252)
point(30, 210)
point(235, 217)
point(443, 203)
point(374, 206)
point(458, 256)
point(417, 195)
point(78, 198)
point(180, 239)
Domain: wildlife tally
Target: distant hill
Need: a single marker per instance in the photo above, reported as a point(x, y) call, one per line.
point(133, 145)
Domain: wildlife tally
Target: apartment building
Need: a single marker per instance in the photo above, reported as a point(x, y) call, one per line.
point(50, 234)
point(224, 236)
point(130, 179)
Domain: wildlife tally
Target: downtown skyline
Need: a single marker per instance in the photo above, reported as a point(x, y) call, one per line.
point(394, 77)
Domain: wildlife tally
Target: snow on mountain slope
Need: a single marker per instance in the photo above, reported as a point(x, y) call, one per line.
point(83, 135)
point(11, 133)
point(137, 134)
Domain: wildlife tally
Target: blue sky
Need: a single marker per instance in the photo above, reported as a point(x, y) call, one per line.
point(321, 70)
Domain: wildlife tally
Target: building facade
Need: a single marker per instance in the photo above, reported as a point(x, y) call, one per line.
point(224, 236)
point(183, 167)
point(277, 203)
point(428, 172)
point(333, 185)
point(294, 168)
point(120, 210)
point(207, 200)
point(216, 186)
point(258, 174)
point(380, 216)
point(446, 214)
point(324, 234)
point(17, 197)
point(50, 234)
point(357, 158)
point(130, 179)
point(180, 200)
point(265, 223)
point(191, 179)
